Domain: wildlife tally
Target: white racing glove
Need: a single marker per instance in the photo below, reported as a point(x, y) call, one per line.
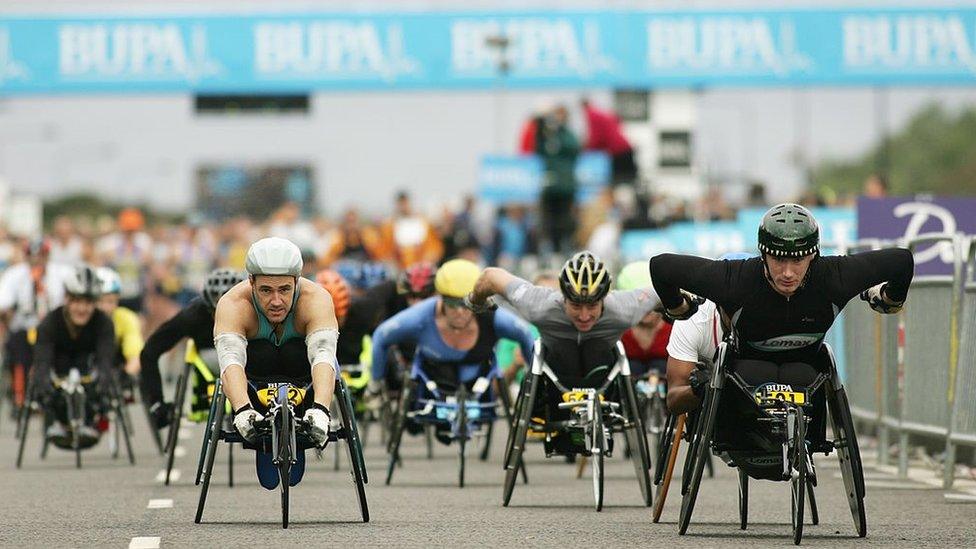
point(875, 300)
point(319, 420)
point(244, 421)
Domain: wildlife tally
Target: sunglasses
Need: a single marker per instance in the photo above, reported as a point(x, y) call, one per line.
point(453, 302)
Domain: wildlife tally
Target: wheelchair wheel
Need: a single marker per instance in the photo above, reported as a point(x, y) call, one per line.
point(284, 448)
point(664, 448)
point(172, 435)
point(701, 441)
point(462, 431)
point(353, 446)
point(399, 425)
point(674, 445)
point(510, 413)
point(207, 430)
point(849, 456)
point(636, 436)
point(214, 425)
point(812, 503)
point(486, 446)
point(23, 422)
point(798, 481)
point(743, 499)
point(518, 434)
point(76, 411)
point(598, 450)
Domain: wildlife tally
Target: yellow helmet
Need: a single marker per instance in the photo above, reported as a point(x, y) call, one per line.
point(456, 278)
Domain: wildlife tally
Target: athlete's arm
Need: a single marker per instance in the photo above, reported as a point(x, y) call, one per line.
point(105, 351)
point(690, 340)
point(315, 307)
point(401, 327)
point(681, 399)
point(161, 341)
point(493, 280)
point(132, 341)
point(706, 278)
point(509, 326)
point(43, 359)
point(849, 275)
point(234, 310)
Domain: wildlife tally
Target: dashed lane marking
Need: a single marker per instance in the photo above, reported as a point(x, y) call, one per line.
point(144, 543)
point(174, 475)
point(160, 504)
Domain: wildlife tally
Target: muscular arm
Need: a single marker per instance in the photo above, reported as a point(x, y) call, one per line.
point(671, 273)
point(230, 318)
point(680, 397)
point(318, 311)
point(161, 341)
point(509, 326)
point(401, 327)
point(493, 280)
point(852, 274)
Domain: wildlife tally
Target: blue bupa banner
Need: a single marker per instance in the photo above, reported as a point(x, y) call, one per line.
point(906, 218)
point(504, 178)
point(331, 51)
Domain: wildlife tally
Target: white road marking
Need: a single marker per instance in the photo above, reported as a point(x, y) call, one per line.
point(174, 475)
point(144, 543)
point(184, 434)
point(965, 498)
point(179, 452)
point(160, 504)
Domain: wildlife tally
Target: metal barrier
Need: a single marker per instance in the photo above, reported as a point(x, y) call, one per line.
point(962, 396)
point(926, 385)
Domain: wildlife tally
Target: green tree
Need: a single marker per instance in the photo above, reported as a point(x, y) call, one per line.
point(935, 153)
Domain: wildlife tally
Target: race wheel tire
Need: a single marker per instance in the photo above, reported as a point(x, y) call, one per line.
point(215, 423)
point(208, 428)
point(743, 500)
point(702, 442)
point(354, 447)
point(662, 490)
point(637, 437)
point(798, 480)
point(598, 450)
point(399, 425)
point(849, 456)
point(514, 451)
point(812, 504)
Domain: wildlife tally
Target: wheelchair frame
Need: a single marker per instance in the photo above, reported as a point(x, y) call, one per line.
point(614, 417)
point(459, 406)
point(797, 458)
point(283, 426)
point(76, 399)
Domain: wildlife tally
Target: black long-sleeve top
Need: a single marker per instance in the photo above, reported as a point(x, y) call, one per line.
point(195, 321)
point(767, 324)
point(92, 346)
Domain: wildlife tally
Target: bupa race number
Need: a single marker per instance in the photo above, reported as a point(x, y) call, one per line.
point(269, 394)
point(773, 392)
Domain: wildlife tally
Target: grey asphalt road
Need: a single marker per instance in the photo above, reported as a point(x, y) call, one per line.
point(51, 504)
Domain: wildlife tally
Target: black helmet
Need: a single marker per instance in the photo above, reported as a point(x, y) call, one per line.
point(219, 281)
point(584, 278)
point(83, 282)
point(789, 230)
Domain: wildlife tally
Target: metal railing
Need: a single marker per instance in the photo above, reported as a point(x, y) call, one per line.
point(923, 385)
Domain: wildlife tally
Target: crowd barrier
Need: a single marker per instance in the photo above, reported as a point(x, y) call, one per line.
point(915, 373)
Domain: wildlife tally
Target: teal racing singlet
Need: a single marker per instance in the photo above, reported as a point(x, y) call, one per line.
point(266, 330)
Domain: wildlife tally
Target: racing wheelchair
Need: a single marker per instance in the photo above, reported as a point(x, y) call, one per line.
point(787, 426)
point(433, 398)
point(582, 424)
point(283, 434)
point(83, 405)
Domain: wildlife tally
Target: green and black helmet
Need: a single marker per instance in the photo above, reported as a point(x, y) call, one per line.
point(789, 230)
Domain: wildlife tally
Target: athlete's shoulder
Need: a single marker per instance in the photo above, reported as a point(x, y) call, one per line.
point(124, 318)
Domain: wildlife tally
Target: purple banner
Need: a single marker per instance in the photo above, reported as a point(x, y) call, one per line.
point(891, 218)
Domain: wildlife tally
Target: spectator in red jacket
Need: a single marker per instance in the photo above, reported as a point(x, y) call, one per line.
point(605, 134)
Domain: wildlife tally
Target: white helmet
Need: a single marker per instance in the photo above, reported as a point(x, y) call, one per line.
point(111, 283)
point(83, 282)
point(274, 256)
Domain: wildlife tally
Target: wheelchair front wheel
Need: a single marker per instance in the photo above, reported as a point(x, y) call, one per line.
point(701, 443)
point(640, 453)
point(519, 432)
point(597, 452)
point(798, 480)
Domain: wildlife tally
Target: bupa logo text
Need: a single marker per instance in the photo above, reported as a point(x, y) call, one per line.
point(540, 46)
point(133, 50)
point(907, 41)
point(331, 49)
point(742, 44)
point(786, 342)
point(10, 68)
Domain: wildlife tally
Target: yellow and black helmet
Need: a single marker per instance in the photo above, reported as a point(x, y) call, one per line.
point(584, 278)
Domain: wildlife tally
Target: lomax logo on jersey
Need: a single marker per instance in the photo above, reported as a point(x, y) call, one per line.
point(331, 49)
point(10, 67)
point(787, 342)
point(536, 46)
point(134, 50)
point(922, 42)
point(723, 43)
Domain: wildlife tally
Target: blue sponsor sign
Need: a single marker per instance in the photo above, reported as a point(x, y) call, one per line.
point(503, 179)
point(592, 174)
point(838, 227)
point(301, 52)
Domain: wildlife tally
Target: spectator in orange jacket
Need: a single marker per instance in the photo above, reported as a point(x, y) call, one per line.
point(355, 241)
point(408, 238)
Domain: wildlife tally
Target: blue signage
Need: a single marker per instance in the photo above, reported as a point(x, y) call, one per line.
point(626, 48)
point(503, 178)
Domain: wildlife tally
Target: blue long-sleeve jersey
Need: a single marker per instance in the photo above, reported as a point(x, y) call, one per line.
point(417, 325)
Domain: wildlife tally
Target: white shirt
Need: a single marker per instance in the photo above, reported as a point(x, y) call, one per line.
point(695, 339)
point(17, 294)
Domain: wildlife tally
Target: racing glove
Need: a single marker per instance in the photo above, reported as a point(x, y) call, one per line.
point(161, 413)
point(693, 302)
point(476, 308)
point(319, 420)
point(244, 419)
point(874, 297)
point(698, 381)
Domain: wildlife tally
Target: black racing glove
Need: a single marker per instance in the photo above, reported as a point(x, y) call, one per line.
point(162, 414)
point(488, 305)
point(698, 381)
point(693, 302)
